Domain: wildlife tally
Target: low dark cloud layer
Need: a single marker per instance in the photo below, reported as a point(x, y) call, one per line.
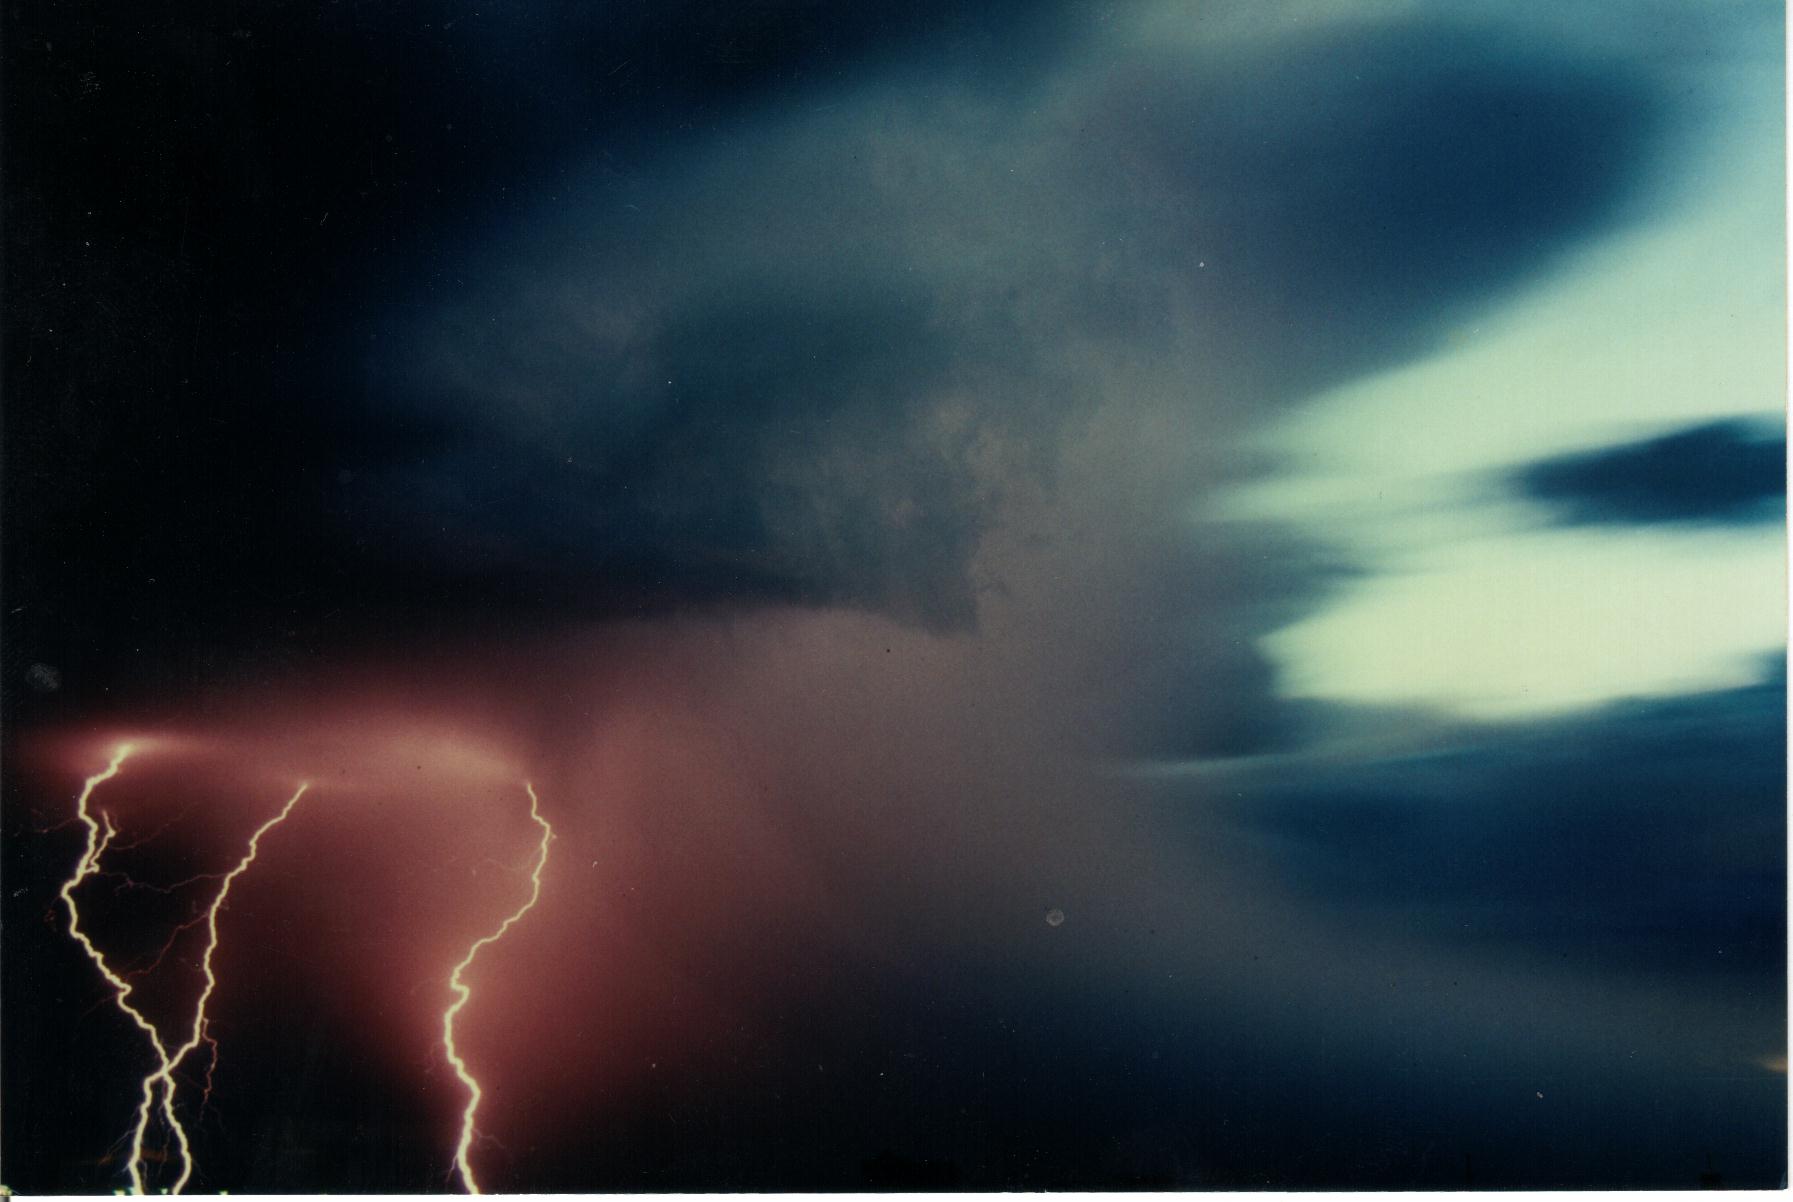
point(1646, 837)
point(1722, 473)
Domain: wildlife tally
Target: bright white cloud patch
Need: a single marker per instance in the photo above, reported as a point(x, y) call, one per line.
point(1470, 604)
point(1539, 623)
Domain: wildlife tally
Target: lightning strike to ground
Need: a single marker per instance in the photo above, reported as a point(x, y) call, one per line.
point(463, 994)
point(159, 1085)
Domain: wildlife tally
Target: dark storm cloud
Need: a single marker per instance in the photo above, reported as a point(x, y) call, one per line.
point(1730, 472)
point(770, 439)
point(1646, 837)
point(1353, 191)
point(212, 210)
point(232, 220)
point(765, 366)
point(325, 319)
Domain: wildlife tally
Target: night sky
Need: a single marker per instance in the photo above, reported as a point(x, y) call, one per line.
point(1096, 595)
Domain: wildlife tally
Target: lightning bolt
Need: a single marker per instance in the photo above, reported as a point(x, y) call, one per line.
point(464, 994)
point(197, 1033)
point(158, 1089)
point(98, 839)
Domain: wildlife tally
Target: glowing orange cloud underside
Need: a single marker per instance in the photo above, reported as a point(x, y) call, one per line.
point(463, 994)
point(160, 1080)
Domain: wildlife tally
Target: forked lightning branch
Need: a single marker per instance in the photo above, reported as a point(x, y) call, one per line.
point(159, 1089)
